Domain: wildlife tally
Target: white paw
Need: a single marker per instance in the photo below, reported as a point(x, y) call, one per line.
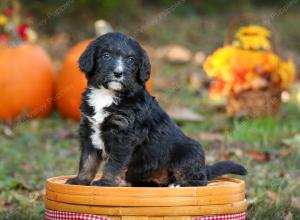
point(174, 185)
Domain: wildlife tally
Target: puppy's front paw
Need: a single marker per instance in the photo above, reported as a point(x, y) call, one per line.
point(76, 181)
point(103, 182)
point(174, 185)
point(119, 121)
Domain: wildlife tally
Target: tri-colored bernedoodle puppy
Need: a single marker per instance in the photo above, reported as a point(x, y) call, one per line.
point(124, 130)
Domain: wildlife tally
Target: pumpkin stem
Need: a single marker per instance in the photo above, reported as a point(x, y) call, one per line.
point(102, 27)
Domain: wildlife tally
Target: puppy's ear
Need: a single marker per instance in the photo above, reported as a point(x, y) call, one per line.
point(145, 68)
point(86, 60)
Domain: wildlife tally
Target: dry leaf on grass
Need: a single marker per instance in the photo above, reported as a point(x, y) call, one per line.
point(39, 194)
point(295, 203)
point(174, 54)
point(273, 196)
point(262, 156)
point(199, 57)
point(292, 142)
point(62, 134)
point(289, 216)
point(209, 136)
point(2, 202)
point(7, 131)
point(184, 114)
point(285, 152)
point(194, 80)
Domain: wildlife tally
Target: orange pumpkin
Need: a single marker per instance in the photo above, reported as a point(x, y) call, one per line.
point(71, 82)
point(26, 82)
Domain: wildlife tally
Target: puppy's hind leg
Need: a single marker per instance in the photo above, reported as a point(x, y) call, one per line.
point(191, 175)
point(188, 166)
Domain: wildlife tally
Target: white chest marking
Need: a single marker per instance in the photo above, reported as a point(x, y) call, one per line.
point(99, 99)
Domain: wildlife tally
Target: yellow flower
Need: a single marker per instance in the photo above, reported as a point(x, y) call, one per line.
point(253, 43)
point(287, 73)
point(3, 20)
point(218, 64)
point(253, 37)
point(254, 30)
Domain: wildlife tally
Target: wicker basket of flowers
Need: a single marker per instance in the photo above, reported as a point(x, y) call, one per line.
point(249, 73)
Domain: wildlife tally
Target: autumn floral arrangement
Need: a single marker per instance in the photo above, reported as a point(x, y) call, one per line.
point(15, 27)
point(249, 73)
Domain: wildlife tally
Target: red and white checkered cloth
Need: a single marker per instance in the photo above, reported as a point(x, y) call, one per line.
point(60, 215)
point(238, 216)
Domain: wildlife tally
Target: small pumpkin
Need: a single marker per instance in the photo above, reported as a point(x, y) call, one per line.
point(71, 82)
point(26, 82)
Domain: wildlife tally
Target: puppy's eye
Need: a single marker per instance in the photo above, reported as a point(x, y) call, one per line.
point(106, 56)
point(130, 60)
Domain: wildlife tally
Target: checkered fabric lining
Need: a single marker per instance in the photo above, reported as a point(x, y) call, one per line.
point(238, 216)
point(60, 215)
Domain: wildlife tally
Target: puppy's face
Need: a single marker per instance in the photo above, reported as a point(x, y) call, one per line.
point(116, 62)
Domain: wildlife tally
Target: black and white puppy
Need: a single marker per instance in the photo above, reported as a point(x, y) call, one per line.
point(124, 129)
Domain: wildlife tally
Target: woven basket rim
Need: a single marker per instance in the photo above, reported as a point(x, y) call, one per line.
point(230, 208)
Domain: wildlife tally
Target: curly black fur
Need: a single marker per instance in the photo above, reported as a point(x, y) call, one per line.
point(141, 144)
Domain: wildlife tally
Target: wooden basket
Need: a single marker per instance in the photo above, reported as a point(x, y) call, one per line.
point(223, 198)
point(255, 103)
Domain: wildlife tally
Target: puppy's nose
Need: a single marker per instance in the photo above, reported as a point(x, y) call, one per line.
point(118, 74)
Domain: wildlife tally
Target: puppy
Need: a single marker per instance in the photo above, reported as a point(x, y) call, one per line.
point(124, 129)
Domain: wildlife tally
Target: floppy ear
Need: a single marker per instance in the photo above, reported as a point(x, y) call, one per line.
point(86, 60)
point(145, 68)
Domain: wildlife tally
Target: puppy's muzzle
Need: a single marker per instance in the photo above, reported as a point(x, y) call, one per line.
point(116, 82)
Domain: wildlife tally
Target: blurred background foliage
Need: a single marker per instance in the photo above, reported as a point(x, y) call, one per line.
point(64, 15)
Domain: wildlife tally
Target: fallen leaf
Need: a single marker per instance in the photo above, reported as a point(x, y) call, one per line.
point(289, 216)
point(292, 142)
point(34, 125)
point(2, 201)
point(174, 54)
point(194, 80)
point(184, 114)
point(199, 57)
point(237, 151)
point(210, 136)
point(226, 156)
point(62, 134)
point(273, 196)
point(261, 156)
point(26, 166)
point(39, 194)
point(295, 175)
point(7, 131)
point(295, 203)
point(285, 152)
